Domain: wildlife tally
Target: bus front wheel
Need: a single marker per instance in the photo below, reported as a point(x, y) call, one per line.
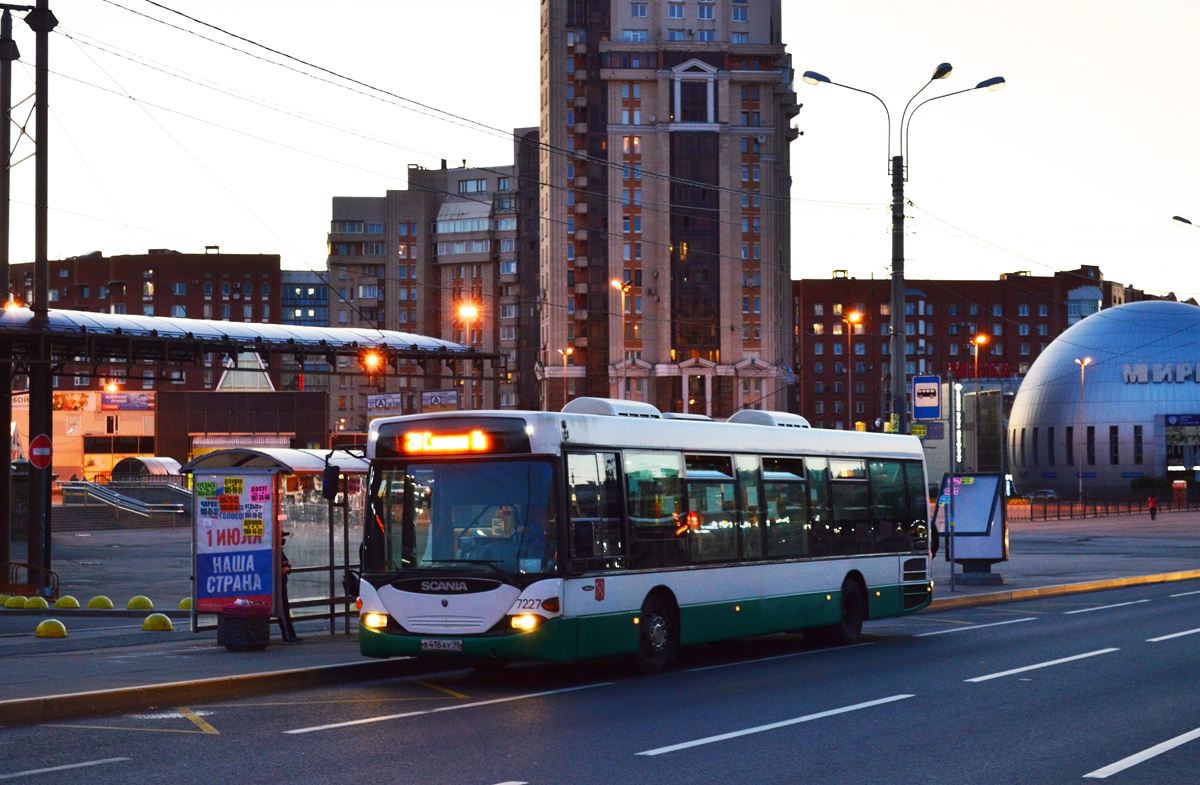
point(654, 636)
point(849, 627)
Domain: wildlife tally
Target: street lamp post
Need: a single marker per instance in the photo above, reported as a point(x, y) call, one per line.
point(852, 318)
point(467, 312)
point(565, 354)
point(1083, 363)
point(978, 341)
point(896, 163)
point(623, 288)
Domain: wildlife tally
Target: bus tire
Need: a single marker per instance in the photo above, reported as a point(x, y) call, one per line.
point(848, 630)
point(655, 636)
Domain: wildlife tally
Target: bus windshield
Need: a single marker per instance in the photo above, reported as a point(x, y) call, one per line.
point(480, 516)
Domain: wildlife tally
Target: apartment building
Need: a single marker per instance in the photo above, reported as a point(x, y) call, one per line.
point(439, 258)
point(842, 329)
point(664, 177)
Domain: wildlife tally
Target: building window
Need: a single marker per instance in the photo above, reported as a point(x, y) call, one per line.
point(1050, 446)
point(997, 329)
point(1023, 310)
point(1137, 445)
point(741, 38)
point(1070, 446)
point(1043, 310)
point(178, 311)
point(674, 11)
point(636, 36)
point(739, 14)
point(1091, 445)
point(1114, 453)
point(706, 12)
point(705, 35)
point(472, 186)
point(1023, 329)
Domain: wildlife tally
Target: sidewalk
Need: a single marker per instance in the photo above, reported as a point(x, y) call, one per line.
point(106, 654)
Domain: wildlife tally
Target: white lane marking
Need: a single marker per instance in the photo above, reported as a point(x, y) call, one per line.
point(1105, 607)
point(974, 627)
point(1186, 594)
point(1172, 635)
point(512, 782)
point(31, 772)
point(782, 724)
point(1144, 755)
point(1001, 674)
point(776, 657)
point(444, 708)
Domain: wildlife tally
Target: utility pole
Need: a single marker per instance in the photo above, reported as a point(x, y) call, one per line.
point(41, 413)
point(8, 53)
point(899, 378)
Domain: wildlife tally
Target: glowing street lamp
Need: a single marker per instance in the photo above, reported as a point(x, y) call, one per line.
point(467, 312)
point(565, 354)
point(1083, 363)
point(623, 288)
point(852, 318)
point(978, 341)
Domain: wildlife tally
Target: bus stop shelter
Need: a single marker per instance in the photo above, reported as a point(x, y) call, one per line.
point(246, 499)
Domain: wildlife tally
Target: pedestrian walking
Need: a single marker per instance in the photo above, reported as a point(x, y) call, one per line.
point(286, 630)
point(1152, 503)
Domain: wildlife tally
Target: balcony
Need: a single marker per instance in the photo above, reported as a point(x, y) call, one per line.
point(581, 262)
point(581, 102)
point(580, 209)
point(581, 181)
point(581, 235)
point(581, 288)
point(581, 128)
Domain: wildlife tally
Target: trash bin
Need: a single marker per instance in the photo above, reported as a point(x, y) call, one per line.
point(244, 626)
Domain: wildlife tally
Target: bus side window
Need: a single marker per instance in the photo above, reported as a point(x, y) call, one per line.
point(747, 467)
point(787, 508)
point(851, 514)
point(889, 510)
point(594, 503)
point(658, 528)
point(822, 540)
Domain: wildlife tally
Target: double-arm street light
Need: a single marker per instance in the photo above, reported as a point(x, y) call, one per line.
point(1083, 363)
point(852, 318)
point(896, 163)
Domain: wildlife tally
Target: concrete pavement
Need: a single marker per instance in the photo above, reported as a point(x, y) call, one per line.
point(143, 668)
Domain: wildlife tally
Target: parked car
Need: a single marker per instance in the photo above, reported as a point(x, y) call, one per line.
point(1045, 494)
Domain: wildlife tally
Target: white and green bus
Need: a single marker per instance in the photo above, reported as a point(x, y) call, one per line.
point(611, 528)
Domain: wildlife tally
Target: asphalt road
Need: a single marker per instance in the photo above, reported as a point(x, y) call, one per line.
point(1045, 691)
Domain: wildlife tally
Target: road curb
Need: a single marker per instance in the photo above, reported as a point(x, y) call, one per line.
point(993, 598)
point(93, 613)
point(52, 708)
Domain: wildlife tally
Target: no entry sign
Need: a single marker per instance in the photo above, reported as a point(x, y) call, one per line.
point(40, 452)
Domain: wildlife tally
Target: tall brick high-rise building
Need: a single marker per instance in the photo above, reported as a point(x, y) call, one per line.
point(665, 168)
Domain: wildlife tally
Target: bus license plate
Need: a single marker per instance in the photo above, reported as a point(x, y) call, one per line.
point(438, 644)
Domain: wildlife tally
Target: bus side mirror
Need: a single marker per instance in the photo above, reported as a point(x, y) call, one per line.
point(330, 482)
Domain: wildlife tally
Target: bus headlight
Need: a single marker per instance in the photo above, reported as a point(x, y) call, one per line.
point(376, 621)
point(525, 622)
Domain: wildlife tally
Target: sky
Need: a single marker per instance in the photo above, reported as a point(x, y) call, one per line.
point(1083, 158)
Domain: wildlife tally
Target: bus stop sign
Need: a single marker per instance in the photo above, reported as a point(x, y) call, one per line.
point(927, 400)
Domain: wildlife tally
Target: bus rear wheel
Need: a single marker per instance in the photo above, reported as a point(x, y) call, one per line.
point(654, 636)
point(849, 628)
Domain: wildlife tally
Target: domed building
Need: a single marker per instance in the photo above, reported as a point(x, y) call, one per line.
point(1140, 403)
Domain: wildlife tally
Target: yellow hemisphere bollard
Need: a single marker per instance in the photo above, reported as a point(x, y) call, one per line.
point(37, 602)
point(185, 604)
point(4, 599)
point(157, 622)
point(100, 602)
point(51, 628)
point(66, 601)
point(140, 603)
point(14, 602)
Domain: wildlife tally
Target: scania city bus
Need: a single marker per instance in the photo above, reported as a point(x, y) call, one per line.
point(611, 528)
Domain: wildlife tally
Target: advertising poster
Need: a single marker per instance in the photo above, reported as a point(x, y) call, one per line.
point(234, 553)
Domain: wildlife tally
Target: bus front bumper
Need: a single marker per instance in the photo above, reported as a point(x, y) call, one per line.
point(555, 639)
